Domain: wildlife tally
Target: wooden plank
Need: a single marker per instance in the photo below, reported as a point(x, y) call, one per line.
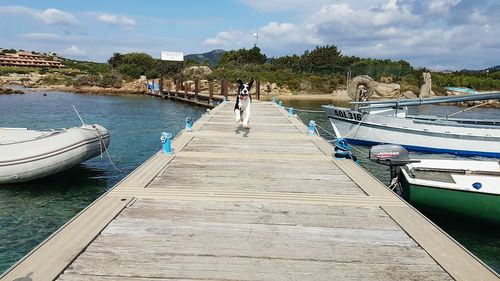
point(53, 255)
point(457, 261)
point(253, 246)
point(365, 180)
point(182, 193)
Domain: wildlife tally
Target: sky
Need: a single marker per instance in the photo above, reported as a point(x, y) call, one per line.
point(437, 34)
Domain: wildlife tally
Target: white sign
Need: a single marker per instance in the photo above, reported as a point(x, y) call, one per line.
point(172, 56)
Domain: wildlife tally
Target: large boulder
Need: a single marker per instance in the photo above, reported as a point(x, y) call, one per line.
point(409, 95)
point(426, 88)
point(387, 91)
point(198, 72)
point(365, 87)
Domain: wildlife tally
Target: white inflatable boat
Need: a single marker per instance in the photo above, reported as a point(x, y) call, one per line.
point(30, 154)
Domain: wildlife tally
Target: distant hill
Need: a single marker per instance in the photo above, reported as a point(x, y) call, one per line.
point(489, 69)
point(212, 57)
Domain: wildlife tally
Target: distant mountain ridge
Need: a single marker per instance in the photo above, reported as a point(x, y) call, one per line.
point(489, 69)
point(212, 57)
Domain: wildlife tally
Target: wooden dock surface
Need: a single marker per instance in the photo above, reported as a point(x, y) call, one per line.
point(267, 203)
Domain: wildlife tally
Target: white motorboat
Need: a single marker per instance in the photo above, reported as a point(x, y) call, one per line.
point(30, 154)
point(388, 122)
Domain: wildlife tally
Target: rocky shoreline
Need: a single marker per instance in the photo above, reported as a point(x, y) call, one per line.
point(135, 87)
point(9, 91)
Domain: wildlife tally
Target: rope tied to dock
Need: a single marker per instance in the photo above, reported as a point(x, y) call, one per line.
point(101, 144)
point(304, 110)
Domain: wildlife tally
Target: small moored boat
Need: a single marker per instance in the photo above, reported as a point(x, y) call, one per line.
point(465, 188)
point(460, 187)
point(30, 154)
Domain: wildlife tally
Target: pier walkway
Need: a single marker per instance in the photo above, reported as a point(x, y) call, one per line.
point(269, 203)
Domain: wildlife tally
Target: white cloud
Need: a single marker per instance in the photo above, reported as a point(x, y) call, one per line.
point(16, 10)
point(117, 20)
point(228, 38)
point(49, 16)
point(431, 33)
point(280, 5)
point(286, 33)
point(442, 6)
point(57, 17)
point(74, 51)
point(42, 36)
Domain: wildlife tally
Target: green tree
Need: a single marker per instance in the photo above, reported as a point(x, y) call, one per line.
point(115, 60)
point(242, 57)
point(134, 64)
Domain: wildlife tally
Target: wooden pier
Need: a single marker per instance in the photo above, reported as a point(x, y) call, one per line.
point(268, 203)
point(182, 92)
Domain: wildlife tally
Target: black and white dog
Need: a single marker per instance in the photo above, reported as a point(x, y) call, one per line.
point(243, 102)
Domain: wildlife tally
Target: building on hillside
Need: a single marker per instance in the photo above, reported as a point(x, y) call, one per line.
point(28, 59)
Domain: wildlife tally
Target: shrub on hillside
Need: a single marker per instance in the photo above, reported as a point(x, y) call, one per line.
point(109, 80)
point(6, 70)
point(86, 80)
point(54, 79)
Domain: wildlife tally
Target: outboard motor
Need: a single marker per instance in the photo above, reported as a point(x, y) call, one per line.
point(343, 150)
point(394, 156)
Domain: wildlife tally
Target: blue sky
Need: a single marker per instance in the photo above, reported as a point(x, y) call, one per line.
point(439, 34)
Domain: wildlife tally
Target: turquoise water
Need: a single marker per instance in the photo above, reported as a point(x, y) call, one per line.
point(31, 212)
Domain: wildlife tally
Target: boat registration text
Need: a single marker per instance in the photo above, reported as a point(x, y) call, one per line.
point(347, 114)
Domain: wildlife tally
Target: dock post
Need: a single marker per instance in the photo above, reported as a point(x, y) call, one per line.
point(169, 88)
point(257, 89)
point(186, 87)
point(210, 91)
point(196, 89)
point(177, 87)
point(167, 142)
point(160, 87)
point(312, 128)
point(189, 124)
point(224, 89)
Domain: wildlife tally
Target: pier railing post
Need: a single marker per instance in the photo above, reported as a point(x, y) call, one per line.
point(210, 91)
point(169, 87)
point(196, 89)
point(257, 89)
point(177, 87)
point(160, 87)
point(186, 87)
point(226, 90)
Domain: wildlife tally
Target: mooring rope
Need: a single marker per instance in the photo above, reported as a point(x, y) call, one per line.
point(304, 110)
point(356, 128)
point(101, 144)
point(335, 137)
point(326, 131)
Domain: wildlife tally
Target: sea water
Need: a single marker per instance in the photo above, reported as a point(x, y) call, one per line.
point(30, 212)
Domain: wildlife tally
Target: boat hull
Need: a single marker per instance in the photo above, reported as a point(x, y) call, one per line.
point(458, 203)
point(44, 156)
point(416, 135)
